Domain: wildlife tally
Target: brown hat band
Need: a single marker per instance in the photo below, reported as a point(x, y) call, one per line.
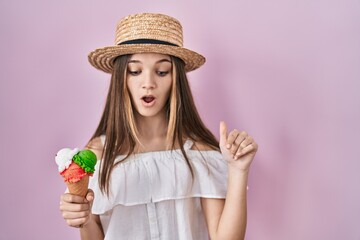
point(147, 41)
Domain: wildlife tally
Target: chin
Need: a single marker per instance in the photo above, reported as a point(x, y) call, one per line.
point(147, 113)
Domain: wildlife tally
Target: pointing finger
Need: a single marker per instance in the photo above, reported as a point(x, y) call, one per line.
point(223, 133)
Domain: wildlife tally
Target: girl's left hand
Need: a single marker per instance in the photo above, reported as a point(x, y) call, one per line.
point(238, 148)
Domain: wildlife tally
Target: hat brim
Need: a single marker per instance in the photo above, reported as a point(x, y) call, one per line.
point(103, 58)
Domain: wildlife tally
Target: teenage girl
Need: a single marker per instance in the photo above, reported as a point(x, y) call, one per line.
point(162, 174)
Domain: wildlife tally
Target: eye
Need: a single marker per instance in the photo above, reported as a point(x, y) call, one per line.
point(162, 73)
point(134, 73)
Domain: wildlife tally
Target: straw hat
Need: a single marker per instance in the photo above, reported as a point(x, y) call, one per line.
point(145, 33)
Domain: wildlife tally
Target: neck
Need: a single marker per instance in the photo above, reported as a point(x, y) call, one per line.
point(152, 133)
point(152, 127)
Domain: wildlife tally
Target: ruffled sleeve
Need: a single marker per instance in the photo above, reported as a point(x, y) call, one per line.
point(160, 176)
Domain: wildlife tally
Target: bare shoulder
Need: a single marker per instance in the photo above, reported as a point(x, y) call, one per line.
point(96, 146)
point(200, 146)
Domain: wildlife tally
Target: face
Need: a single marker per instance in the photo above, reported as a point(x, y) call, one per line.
point(149, 81)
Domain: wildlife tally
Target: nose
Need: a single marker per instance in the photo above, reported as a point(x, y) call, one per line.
point(148, 81)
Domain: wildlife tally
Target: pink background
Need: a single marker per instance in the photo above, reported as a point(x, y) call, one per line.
point(287, 72)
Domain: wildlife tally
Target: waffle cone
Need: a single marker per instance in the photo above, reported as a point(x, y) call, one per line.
point(79, 188)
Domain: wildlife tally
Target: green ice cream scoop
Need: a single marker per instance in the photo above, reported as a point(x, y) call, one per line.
point(86, 159)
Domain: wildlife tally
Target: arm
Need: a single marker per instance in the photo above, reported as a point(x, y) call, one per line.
point(226, 219)
point(76, 211)
point(93, 229)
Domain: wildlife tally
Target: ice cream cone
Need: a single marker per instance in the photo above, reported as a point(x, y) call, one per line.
point(75, 167)
point(79, 188)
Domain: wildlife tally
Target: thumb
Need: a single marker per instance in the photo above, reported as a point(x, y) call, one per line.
point(90, 195)
point(223, 133)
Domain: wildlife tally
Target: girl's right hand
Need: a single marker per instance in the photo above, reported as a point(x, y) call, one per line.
point(76, 210)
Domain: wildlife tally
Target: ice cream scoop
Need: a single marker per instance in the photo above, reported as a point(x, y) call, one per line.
point(86, 159)
point(64, 158)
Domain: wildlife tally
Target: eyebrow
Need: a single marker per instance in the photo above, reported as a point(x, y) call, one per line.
point(161, 60)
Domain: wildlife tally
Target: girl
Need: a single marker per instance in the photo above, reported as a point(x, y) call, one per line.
point(162, 174)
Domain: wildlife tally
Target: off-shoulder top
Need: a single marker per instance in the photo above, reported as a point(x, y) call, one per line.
point(152, 195)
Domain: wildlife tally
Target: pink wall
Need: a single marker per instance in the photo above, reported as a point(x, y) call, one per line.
point(288, 72)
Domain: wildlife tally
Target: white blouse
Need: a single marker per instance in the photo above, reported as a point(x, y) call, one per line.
point(152, 196)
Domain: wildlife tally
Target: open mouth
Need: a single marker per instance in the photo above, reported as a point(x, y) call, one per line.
point(148, 99)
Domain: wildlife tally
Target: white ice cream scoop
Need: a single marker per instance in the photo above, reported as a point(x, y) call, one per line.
point(64, 158)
